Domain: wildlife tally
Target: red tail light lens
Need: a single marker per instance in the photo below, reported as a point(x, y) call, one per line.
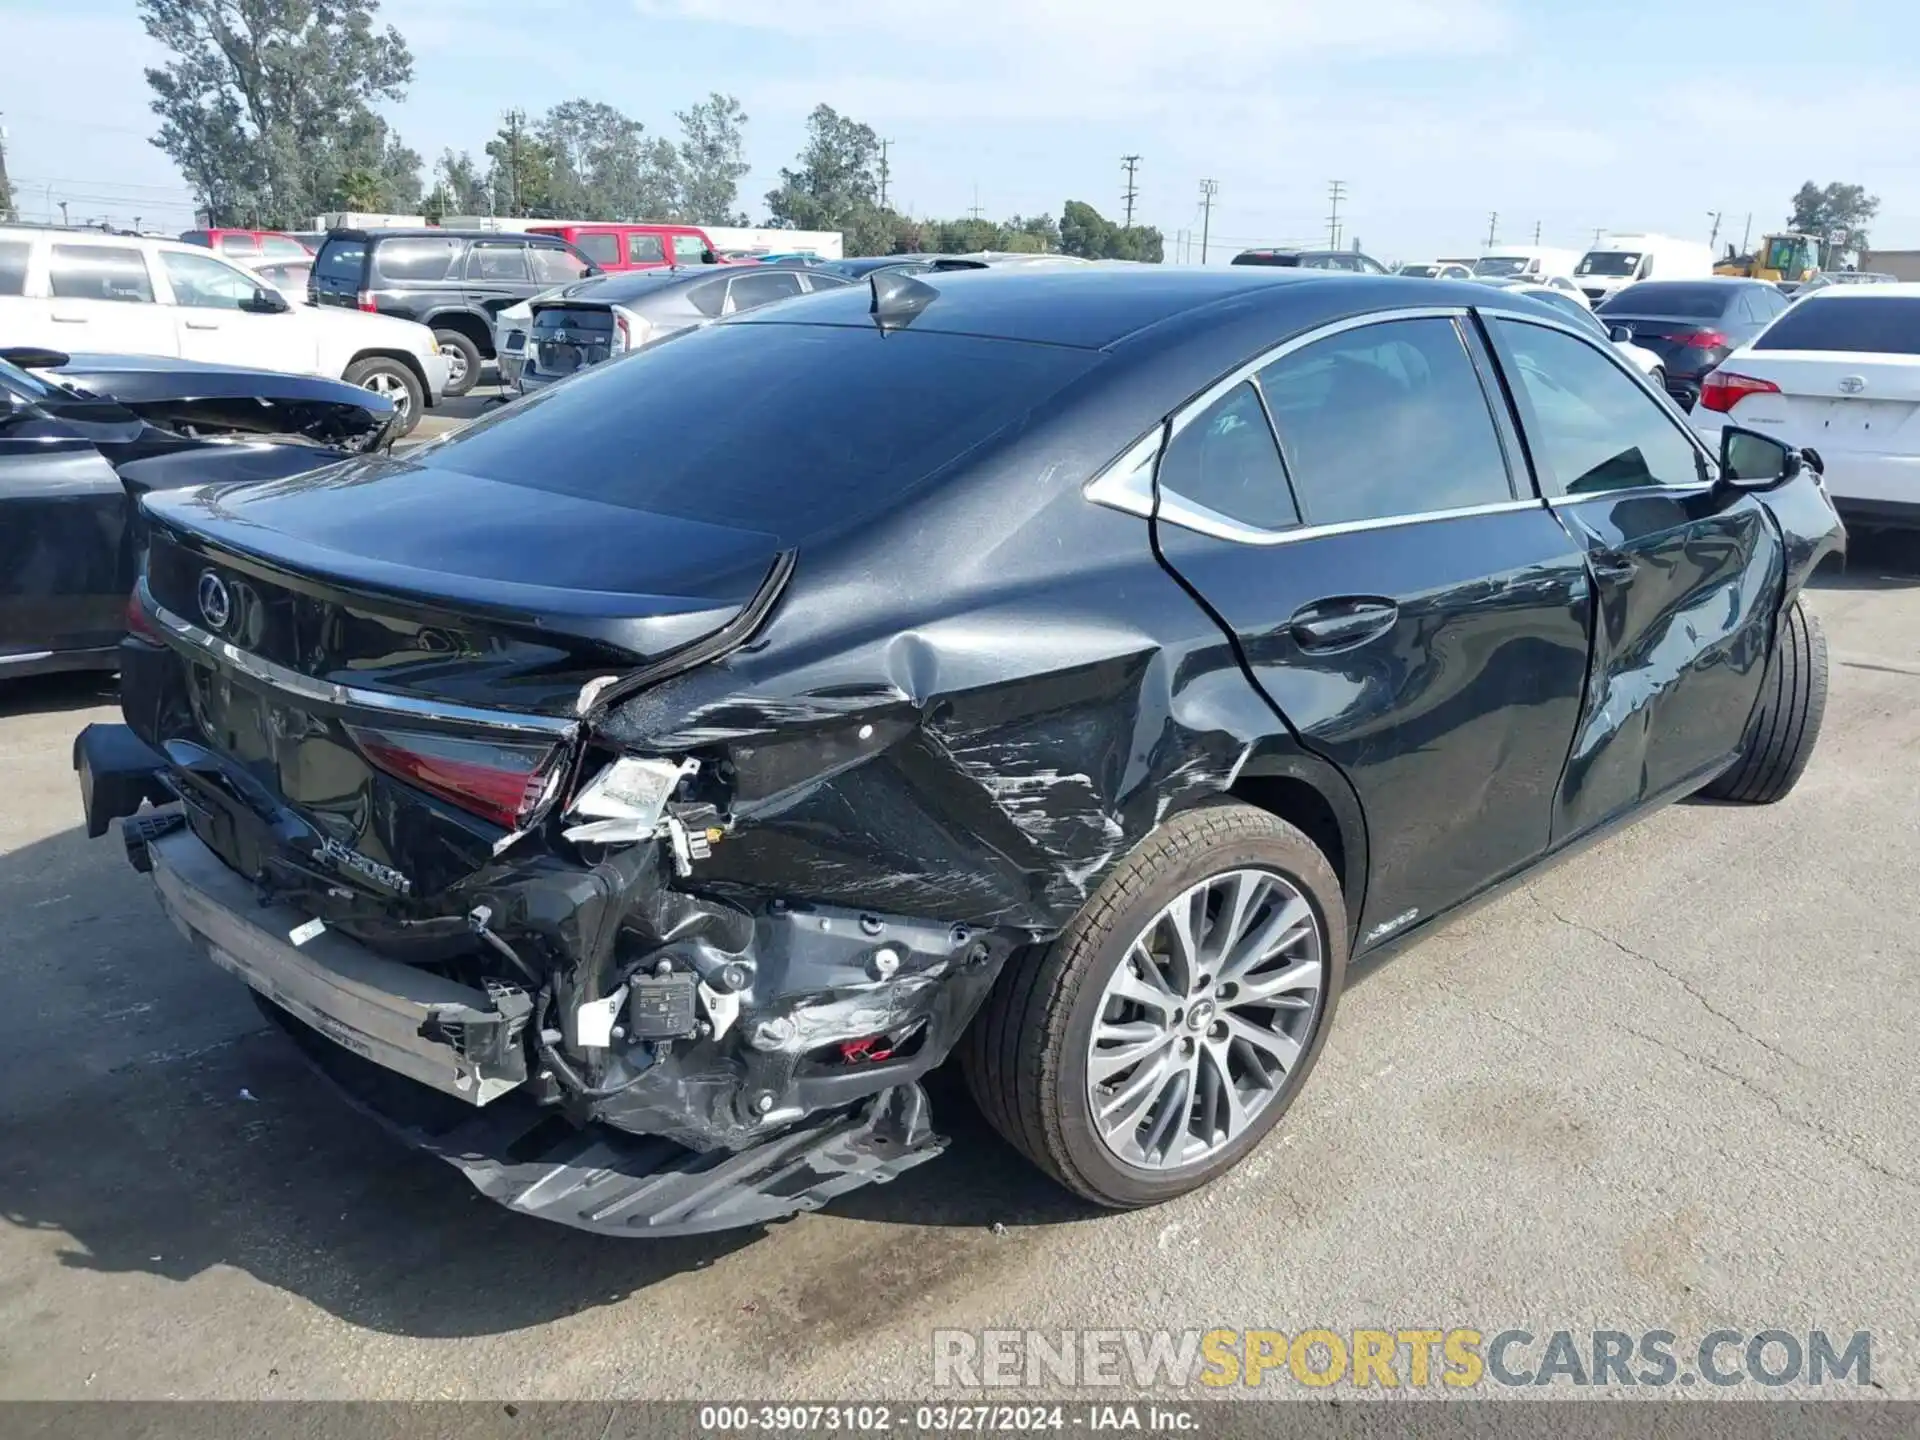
point(139, 622)
point(364, 300)
point(1707, 340)
point(1723, 389)
point(499, 780)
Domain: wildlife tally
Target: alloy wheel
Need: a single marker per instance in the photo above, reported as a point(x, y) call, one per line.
point(1208, 1013)
point(456, 367)
point(384, 383)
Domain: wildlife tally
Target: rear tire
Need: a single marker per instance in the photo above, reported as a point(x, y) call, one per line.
point(394, 380)
point(1029, 1054)
point(466, 362)
point(1786, 719)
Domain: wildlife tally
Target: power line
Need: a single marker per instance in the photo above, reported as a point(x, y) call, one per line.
point(1336, 191)
point(1132, 162)
point(1208, 189)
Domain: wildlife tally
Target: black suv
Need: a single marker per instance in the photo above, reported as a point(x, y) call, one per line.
point(455, 281)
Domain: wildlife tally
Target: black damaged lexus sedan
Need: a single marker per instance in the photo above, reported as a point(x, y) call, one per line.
point(1071, 670)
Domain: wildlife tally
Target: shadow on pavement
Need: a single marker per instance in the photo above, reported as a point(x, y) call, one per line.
point(48, 694)
point(1875, 560)
point(204, 1141)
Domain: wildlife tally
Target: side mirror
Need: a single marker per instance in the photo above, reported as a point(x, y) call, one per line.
point(1620, 334)
point(1752, 461)
point(267, 302)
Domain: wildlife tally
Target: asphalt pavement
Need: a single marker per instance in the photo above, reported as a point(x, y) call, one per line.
point(1669, 1084)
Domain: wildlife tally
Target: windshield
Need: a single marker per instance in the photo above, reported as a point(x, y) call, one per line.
point(1425, 272)
point(1608, 262)
point(1857, 323)
point(1497, 265)
point(1787, 253)
point(1673, 299)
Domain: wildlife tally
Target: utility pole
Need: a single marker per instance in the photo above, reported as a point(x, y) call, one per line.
point(1127, 196)
point(1536, 232)
point(7, 211)
point(974, 209)
point(1598, 230)
point(63, 212)
point(885, 145)
point(1746, 233)
point(515, 120)
point(1208, 189)
point(1336, 192)
point(1714, 238)
point(1493, 227)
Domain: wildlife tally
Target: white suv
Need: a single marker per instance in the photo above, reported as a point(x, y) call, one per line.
point(86, 292)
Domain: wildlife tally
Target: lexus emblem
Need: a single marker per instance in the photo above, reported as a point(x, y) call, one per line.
point(214, 602)
point(1852, 384)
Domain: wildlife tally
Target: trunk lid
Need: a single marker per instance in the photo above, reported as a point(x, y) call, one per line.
point(1834, 401)
point(380, 664)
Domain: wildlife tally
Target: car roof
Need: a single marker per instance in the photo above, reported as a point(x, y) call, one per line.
point(437, 232)
point(60, 236)
point(1096, 305)
point(1895, 290)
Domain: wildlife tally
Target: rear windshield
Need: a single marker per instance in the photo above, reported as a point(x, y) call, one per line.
point(1265, 257)
point(805, 422)
point(1889, 326)
point(341, 260)
point(1675, 299)
point(1608, 262)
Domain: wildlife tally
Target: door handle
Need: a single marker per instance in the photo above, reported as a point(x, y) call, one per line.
point(1611, 565)
point(1343, 623)
point(60, 319)
point(203, 324)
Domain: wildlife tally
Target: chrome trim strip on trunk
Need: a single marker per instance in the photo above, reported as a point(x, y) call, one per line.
point(186, 636)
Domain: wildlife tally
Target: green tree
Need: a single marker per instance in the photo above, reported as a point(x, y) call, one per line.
point(460, 187)
point(604, 167)
point(836, 186)
point(712, 161)
point(1085, 232)
point(264, 104)
point(1839, 214)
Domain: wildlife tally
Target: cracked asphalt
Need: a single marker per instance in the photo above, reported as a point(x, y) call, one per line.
point(1670, 1084)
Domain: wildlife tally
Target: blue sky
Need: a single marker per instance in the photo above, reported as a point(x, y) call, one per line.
point(1571, 114)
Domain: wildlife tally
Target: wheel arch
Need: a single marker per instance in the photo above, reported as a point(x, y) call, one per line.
point(1313, 796)
point(474, 326)
point(412, 362)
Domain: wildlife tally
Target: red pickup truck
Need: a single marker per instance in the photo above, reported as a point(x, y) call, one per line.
point(636, 247)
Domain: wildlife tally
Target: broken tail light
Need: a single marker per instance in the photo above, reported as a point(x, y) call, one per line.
point(139, 622)
point(503, 781)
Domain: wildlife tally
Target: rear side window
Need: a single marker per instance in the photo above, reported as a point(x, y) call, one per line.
point(601, 247)
point(1889, 326)
point(554, 266)
point(1592, 428)
point(239, 245)
point(688, 249)
point(752, 291)
point(341, 260)
point(1225, 459)
point(1674, 298)
point(491, 260)
point(415, 258)
point(709, 299)
point(644, 249)
point(1385, 420)
point(13, 266)
point(100, 272)
point(843, 421)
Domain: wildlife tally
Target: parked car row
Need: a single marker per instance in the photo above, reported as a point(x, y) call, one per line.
point(80, 290)
point(681, 780)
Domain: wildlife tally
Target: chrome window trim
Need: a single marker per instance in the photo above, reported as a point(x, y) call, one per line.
point(1127, 484)
point(184, 635)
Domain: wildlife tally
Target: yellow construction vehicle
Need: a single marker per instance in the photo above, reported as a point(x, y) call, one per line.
point(1790, 256)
